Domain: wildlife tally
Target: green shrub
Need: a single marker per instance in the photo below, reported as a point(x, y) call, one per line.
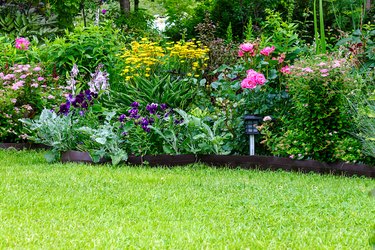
point(87, 47)
point(318, 124)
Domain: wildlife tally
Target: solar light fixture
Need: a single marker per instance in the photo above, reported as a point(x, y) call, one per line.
point(251, 123)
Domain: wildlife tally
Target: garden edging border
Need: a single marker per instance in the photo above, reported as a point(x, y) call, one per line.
point(230, 161)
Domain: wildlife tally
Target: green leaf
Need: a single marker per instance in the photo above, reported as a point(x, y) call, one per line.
point(101, 140)
point(52, 156)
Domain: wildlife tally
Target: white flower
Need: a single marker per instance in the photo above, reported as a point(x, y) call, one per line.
point(267, 118)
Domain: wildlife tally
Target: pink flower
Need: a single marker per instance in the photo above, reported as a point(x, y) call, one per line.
point(267, 51)
point(307, 69)
point(285, 70)
point(324, 71)
point(240, 53)
point(37, 68)
point(40, 78)
point(22, 43)
point(247, 47)
point(50, 97)
point(23, 76)
point(281, 58)
point(247, 83)
point(27, 106)
point(17, 85)
point(253, 79)
point(8, 77)
point(34, 85)
point(13, 100)
point(325, 74)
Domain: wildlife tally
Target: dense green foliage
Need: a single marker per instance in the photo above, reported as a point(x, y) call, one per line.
point(245, 61)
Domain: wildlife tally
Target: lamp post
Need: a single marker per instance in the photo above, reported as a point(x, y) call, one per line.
point(251, 123)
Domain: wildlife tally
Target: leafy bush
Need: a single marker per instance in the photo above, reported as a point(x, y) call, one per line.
point(317, 124)
point(18, 20)
point(87, 47)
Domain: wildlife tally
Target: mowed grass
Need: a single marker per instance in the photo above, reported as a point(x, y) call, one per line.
point(76, 206)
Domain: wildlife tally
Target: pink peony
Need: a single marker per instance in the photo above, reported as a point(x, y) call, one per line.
point(267, 51)
point(240, 53)
point(22, 43)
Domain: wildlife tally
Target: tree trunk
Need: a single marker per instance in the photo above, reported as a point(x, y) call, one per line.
point(125, 6)
point(136, 5)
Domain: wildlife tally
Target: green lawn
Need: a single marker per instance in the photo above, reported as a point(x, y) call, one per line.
point(72, 206)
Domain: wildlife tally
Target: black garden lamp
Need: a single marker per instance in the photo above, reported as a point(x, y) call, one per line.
point(251, 123)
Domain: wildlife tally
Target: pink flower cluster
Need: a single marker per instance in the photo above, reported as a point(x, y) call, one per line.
point(267, 51)
point(22, 43)
point(253, 79)
point(251, 50)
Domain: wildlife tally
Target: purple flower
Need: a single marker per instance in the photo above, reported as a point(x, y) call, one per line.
point(81, 113)
point(85, 105)
point(152, 108)
point(176, 121)
point(104, 11)
point(134, 105)
point(133, 113)
point(64, 108)
point(122, 117)
point(163, 106)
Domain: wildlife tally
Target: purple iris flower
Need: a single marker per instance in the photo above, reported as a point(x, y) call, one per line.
point(152, 108)
point(122, 117)
point(133, 113)
point(163, 106)
point(134, 105)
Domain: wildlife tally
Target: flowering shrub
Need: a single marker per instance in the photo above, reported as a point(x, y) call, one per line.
point(265, 67)
point(317, 124)
point(24, 91)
